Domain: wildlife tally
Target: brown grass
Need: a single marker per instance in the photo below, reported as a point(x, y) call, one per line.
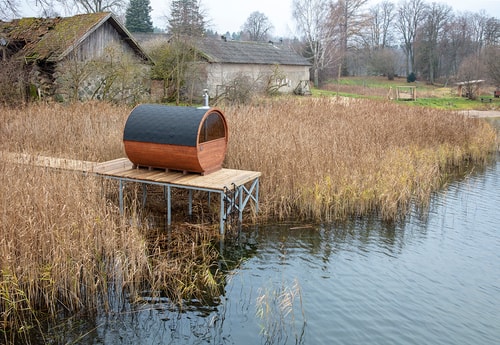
point(89, 131)
point(64, 246)
point(329, 159)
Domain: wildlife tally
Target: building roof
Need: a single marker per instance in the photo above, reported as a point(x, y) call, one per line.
point(470, 82)
point(160, 124)
point(244, 52)
point(52, 39)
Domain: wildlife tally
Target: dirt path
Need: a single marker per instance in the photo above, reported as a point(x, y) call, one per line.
point(481, 113)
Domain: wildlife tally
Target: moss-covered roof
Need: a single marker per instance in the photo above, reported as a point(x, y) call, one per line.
point(52, 39)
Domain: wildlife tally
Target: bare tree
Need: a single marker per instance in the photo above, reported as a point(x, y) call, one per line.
point(93, 6)
point(456, 43)
point(470, 71)
point(385, 61)
point(381, 24)
point(478, 29)
point(8, 9)
point(492, 62)
point(257, 27)
point(11, 8)
point(348, 22)
point(436, 19)
point(410, 16)
point(311, 18)
point(492, 32)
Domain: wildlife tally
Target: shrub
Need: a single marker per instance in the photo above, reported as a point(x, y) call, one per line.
point(411, 78)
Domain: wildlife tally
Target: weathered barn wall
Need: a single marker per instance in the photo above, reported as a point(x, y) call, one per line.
point(117, 75)
point(286, 77)
point(98, 44)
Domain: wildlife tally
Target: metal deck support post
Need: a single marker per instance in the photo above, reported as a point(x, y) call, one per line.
point(257, 195)
point(144, 194)
point(230, 199)
point(240, 204)
point(190, 207)
point(169, 206)
point(120, 194)
point(222, 213)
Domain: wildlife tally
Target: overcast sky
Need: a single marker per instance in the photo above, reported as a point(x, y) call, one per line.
point(230, 15)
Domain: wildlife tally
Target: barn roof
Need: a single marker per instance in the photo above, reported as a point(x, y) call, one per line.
point(52, 39)
point(244, 52)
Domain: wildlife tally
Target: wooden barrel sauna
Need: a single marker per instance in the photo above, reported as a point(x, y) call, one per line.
point(176, 138)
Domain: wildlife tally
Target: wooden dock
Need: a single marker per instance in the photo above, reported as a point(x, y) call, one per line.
point(47, 162)
point(236, 188)
point(123, 168)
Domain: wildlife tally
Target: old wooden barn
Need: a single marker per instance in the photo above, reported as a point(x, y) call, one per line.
point(87, 56)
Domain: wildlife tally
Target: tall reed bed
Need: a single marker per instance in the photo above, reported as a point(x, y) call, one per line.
point(61, 245)
point(64, 246)
point(87, 131)
point(328, 159)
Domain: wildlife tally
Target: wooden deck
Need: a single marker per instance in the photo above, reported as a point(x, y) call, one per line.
point(47, 162)
point(123, 168)
point(217, 181)
point(235, 187)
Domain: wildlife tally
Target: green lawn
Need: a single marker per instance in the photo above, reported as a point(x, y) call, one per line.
point(435, 96)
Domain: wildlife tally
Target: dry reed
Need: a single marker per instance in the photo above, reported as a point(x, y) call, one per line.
point(89, 131)
point(328, 159)
point(63, 244)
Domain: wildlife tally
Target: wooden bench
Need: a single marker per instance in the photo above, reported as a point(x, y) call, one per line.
point(496, 93)
point(485, 100)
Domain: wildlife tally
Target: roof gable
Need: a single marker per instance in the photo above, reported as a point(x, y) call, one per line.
point(244, 52)
point(52, 39)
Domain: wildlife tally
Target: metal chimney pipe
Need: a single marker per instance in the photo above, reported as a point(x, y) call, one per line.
point(205, 100)
point(205, 97)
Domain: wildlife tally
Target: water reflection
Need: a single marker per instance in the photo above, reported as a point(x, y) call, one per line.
point(433, 278)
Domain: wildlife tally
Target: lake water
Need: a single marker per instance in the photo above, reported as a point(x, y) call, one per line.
point(432, 279)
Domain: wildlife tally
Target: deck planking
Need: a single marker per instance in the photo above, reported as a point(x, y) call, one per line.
point(218, 180)
point(123, 168)
point(47, 162)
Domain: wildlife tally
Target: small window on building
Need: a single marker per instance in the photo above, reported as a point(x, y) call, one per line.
point(213, 128)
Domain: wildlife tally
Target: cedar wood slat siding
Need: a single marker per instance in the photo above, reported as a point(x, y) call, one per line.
point(176, 138)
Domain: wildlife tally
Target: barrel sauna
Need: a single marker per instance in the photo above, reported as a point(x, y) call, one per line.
point(176, 138)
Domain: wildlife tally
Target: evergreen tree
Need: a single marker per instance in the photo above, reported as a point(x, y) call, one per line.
point(186, 18)
point(138, 16)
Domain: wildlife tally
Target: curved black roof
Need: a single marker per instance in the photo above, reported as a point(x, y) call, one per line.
point(155, 123)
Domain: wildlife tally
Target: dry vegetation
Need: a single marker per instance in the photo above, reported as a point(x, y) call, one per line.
point(64, 246)
point(329, 159)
